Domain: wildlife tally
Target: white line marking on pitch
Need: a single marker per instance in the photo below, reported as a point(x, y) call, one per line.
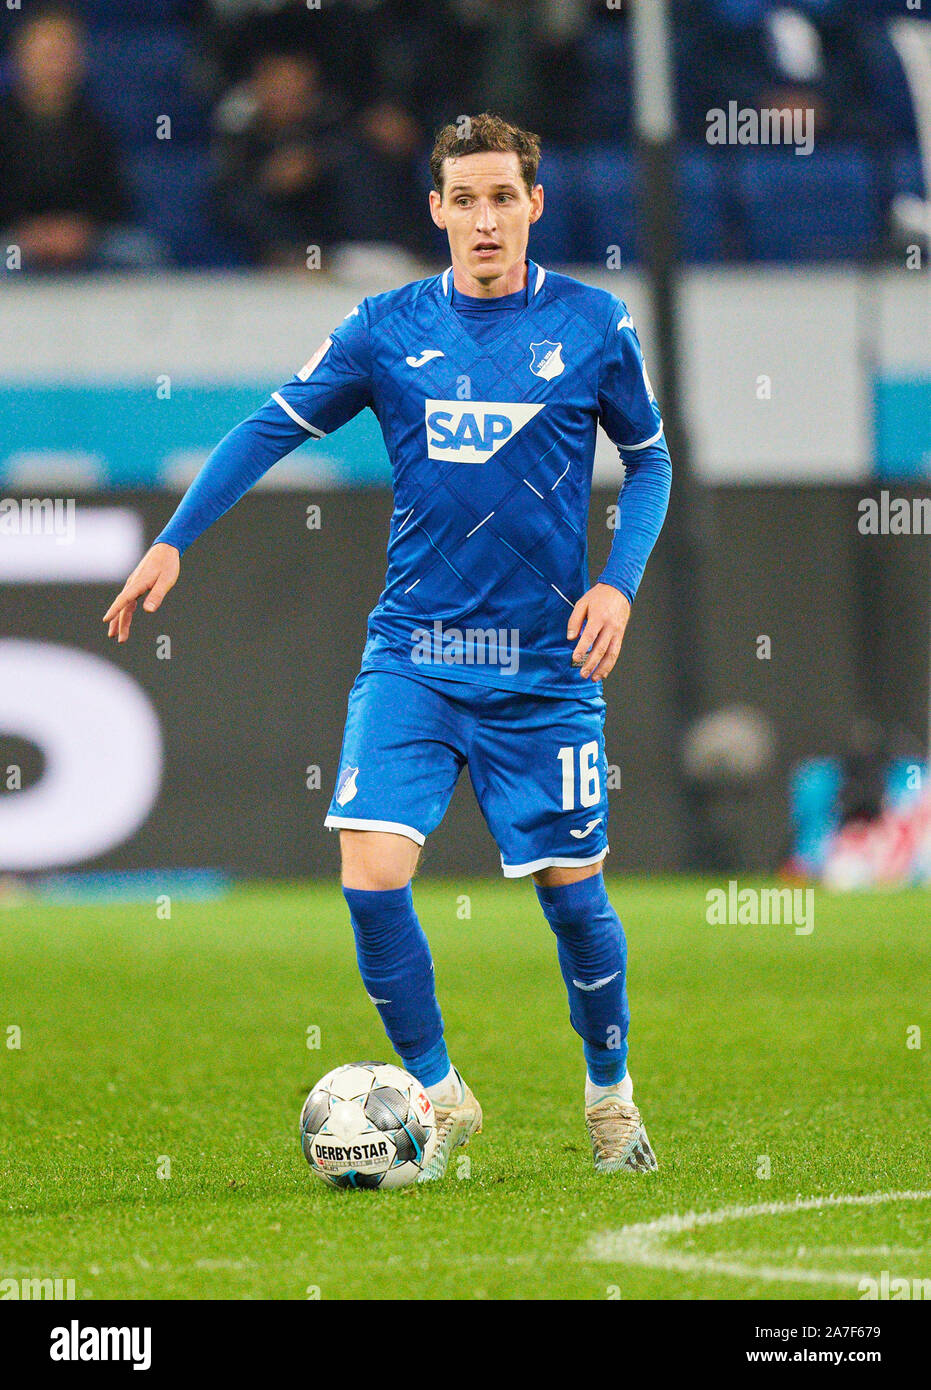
point(645, 1242)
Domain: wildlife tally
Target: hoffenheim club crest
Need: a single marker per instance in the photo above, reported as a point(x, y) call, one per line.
point(347, 786)
point(547, 359)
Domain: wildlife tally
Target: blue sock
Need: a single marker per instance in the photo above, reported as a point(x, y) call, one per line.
point(397, 971)
point(593, 960)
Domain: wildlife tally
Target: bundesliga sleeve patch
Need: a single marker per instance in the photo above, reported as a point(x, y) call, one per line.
point(315, 361)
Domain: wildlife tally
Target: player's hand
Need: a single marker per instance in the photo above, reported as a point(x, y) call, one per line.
point(599, 621)
point(155, 574)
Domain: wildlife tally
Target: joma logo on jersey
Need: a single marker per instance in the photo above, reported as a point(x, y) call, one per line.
point(471, 431)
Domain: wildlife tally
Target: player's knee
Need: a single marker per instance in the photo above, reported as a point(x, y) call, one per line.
point(383, 924)
point(573, 908)
point(558, 875)
point(374, 878)
point(376, 861)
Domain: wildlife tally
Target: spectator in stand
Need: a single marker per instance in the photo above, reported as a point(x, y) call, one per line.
point(381, 184)
point(522, 59)
point(389, 58)
point(63, 201)
point(416, 64)
point(280, 152)
point(818, 55)
point(366, 46)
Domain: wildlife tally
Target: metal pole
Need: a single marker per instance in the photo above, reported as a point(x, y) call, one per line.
point(658, 211)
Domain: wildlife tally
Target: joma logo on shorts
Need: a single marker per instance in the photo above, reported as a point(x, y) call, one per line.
point(471, 431)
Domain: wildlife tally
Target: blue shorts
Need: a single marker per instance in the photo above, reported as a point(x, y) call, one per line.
point(537, 765)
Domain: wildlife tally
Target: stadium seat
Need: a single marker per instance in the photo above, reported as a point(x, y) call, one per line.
point(702, 221)
point(121, 14)
point(908, 172)
point(608, 95)
point(609, 196)
point(889, 89)
point(172, 190)
point(607, 207)
point(553, 239)
point(822, 206)
point(137, 75)
point(609, 78)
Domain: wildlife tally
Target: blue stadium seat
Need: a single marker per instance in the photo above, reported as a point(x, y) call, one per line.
point(702, 219)
point(121, 14)
point(890, 92)
point(139, 74)
point(553, 239)
point(609, 194)
point(607, 206)
point(908, 172)
point(740, 12)
point(172, 190)
point(607, 61)
point(822, 206)
point(609, 88)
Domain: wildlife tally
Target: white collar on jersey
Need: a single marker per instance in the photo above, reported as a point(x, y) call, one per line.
point(535, 276)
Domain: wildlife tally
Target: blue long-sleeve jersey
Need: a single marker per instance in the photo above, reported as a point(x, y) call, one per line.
point(489, 411)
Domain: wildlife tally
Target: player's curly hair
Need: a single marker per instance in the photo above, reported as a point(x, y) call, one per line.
point(475, 134)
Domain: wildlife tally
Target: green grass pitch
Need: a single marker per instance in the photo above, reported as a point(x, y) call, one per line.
point(147, 1043)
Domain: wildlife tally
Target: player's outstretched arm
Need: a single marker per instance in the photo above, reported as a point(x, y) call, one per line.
point(599, 621)
point(329, 390)
point(155, 574)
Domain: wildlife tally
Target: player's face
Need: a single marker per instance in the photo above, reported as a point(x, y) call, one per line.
point(487, 213)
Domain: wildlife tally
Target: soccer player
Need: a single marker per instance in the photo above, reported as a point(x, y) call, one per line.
point(487, 647)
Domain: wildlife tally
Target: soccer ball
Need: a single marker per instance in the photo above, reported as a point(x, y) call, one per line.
point(368, 1124)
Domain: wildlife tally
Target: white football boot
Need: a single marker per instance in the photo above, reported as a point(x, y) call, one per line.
point(455, 1125)
point(619, 1139)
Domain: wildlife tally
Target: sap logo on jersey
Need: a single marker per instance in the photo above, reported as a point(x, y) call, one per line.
point(471, 431)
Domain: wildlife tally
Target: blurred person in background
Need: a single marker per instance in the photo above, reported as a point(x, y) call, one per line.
point(399, 92)
point(63, 200)
point(522, 58)
point(825, 56)
point(363, 46)
point(398, 95)
point(381, 180)
point(280, 149)
point(384, 62)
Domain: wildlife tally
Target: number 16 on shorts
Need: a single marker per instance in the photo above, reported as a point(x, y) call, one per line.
point(581, 775)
